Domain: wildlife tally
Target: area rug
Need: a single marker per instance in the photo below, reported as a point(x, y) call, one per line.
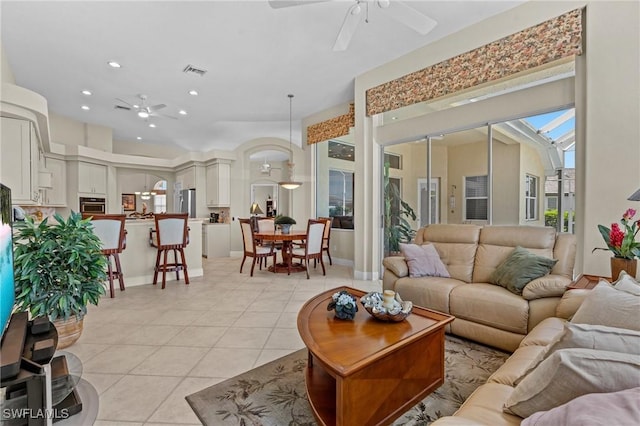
point(274, 394)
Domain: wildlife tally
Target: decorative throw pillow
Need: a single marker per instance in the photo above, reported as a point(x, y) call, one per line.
point(622, 408)
point(627, 283)
point(520, 268)
point(423, 261)
point(607, 306)
point(570, 373)
point(587, 336)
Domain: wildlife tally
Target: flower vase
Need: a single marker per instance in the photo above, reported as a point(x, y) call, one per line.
point(286, 228)
point(620, 264)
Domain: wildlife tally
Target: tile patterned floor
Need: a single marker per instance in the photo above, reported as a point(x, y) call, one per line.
point(148, 348)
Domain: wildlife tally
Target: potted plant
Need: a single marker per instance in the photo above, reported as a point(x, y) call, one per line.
point(622, 243)
point(59, 270)
point(285, 223)
point(399, 230)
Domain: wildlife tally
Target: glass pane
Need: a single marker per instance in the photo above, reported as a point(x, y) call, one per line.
point(393, 160)
point(476, 209)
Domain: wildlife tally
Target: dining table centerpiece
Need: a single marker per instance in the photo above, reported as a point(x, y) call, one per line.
point(621, 241)
point(285, 223)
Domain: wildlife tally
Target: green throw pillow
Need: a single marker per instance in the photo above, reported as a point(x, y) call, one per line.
point(519, 269)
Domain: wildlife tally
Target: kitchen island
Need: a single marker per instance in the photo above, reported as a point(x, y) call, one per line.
point(139, 258)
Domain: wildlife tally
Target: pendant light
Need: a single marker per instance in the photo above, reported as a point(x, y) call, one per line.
point(290, 183)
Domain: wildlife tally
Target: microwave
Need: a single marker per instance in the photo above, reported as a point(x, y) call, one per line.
point(92, 205)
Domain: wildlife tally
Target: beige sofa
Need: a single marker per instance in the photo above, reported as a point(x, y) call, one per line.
point(485, 312)
point(604, 390)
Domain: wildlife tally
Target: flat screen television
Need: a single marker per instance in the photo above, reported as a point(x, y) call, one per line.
point(7, 286)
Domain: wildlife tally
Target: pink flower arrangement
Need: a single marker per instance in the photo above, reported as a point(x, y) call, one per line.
point(622, 242)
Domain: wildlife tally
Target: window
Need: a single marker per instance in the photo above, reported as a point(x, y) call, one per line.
point(395, 202)
point(340, 193)
point(394, 160)
point(160, 199)
point(531, 197)
point(341, 151)
point(476, 197)
point(552, 202)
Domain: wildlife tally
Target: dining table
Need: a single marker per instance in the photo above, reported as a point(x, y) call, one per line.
point(287, 240)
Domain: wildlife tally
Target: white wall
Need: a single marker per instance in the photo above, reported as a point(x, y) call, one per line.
point(6, 74)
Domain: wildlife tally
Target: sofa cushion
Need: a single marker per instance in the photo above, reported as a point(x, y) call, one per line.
point(570, 303)
point(569, 373)
point(544, 333)
point(516, 365)
point(622, 408)
point(423, 261)
point(490, 305)
point(607, 306)
point(484, 406)
point(497, 242)
point(519, 269)
point(550, 285)
point(428, 292)
point(456, 245)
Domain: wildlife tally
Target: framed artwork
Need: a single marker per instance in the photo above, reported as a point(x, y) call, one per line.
point(129, 202)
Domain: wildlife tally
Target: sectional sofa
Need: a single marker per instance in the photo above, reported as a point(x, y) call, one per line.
point(486, 312)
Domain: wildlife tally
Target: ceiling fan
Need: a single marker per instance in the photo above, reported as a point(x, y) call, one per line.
point(396, 9)
point(143, 110)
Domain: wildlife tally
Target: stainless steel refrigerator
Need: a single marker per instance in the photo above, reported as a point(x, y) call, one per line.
point(188, 202)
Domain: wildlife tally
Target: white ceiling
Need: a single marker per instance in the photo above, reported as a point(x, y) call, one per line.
point(254, 54)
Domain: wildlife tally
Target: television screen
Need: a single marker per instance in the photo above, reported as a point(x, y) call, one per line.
point(7, 290)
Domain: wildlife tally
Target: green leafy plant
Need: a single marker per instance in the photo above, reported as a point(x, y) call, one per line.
point(400, 232)
point(59, 268)
point(284, 220)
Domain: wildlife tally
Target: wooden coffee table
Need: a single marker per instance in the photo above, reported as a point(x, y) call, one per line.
point(368, 372)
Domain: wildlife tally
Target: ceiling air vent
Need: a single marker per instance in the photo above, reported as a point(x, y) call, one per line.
point(190, 69)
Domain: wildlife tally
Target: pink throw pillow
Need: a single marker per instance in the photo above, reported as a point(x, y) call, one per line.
point(423, 261)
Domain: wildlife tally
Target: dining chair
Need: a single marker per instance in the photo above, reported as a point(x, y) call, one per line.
point(313, 245)
point(171, 234)
point(252, 248)
point(110, 229)
point(327, 236)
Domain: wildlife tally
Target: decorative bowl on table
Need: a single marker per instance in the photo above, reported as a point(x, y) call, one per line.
point(386, 307)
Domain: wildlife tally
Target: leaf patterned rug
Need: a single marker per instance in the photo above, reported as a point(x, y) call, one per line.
point(274, 394)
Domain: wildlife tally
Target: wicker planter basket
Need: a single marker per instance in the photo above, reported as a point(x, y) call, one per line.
point(69, 331)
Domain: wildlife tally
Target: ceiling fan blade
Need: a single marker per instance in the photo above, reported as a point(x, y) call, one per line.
point(408, 16)
point(126, 103)
point(157, 114)
point(351, 21)
point(156, 107)
point(278, 4)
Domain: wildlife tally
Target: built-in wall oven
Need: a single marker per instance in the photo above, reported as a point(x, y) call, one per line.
point(92, 205)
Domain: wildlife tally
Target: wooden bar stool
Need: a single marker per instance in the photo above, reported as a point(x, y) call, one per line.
point(171, 234)
point(110, 229)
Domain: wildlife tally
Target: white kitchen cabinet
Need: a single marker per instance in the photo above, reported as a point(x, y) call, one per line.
point(187, 177)
point(215, 239)
point(56, 195)
point(92, 178)
point(219, 184)
point(19, 160)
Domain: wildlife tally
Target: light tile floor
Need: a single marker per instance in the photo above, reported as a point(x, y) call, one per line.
point(148, 348)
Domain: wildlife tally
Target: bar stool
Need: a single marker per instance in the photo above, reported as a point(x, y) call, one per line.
point(110, 229)
point(171, 234)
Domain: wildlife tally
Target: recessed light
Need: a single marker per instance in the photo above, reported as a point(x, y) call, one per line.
point(139, 138)
point(87, 92)
point(152, 125)
point(182, 112)
point(114, 64)
point(193, 92)
point(394, 118)
point(85, 107)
